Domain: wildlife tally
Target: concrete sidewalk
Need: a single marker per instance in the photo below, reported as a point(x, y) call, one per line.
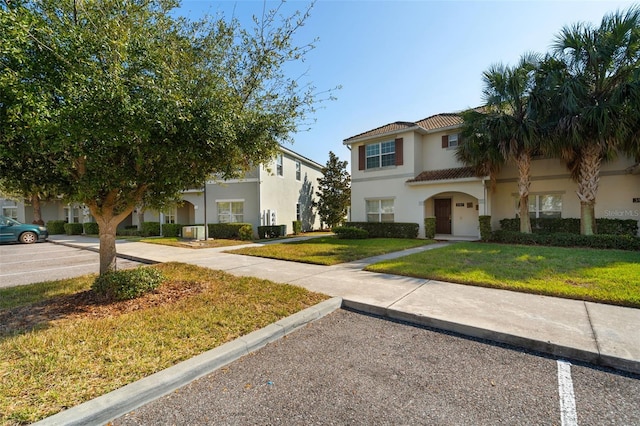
point(596, 333)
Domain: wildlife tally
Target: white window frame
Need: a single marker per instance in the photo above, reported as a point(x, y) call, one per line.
point(453, 140)
point(380, 210)
point(536, 207)
point(379, 154)
point(279, 165)
point(298, 170)
point(10, 211)
point(170, 216)
point(229, 212)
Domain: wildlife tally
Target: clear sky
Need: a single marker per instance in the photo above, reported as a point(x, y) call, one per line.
point(407, 60)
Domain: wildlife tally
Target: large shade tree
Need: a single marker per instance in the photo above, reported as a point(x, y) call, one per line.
point(505, 130)
point(127, 104)
point(590, 91)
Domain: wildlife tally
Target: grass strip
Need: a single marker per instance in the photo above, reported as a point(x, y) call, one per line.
point(605, 276)
point(66, 361)
point(331, 250)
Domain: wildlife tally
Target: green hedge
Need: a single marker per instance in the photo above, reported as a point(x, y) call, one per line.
point(150, 229)
point(56, 227)
point(230, 231)
point(485, 227)
point(350, 233)
point(73, 228)
point(572, 226)
point(599, 241)
point(297, 226)
point(91, 228)
point(387, 229)
point(430, 227)
point(171, 229)
point(272, 231)
point(128, 283)
point(129, 232)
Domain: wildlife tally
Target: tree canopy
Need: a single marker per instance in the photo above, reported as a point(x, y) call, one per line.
point(114, 103)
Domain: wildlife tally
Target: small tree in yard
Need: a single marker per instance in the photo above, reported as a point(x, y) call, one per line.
point(119, 104)
point(334, 191)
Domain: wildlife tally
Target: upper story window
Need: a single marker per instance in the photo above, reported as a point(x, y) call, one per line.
point(451, 141)
point(279, 168)
point(382, 154)
point(298, 170)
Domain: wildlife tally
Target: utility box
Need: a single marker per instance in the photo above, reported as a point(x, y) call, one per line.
point(193, 232)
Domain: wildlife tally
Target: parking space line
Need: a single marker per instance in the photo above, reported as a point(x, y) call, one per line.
point(54, 269)
point(568, 415)
point(66, 257)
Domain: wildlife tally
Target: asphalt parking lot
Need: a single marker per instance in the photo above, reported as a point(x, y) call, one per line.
point(351, 368)
point(22, 264)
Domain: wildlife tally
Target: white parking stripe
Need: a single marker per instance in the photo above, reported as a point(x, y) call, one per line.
point(55, 269)
point(568, 415)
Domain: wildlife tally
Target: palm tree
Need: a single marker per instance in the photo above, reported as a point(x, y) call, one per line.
point(505, 125)
point(594, 99)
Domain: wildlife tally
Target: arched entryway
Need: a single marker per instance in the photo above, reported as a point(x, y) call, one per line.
point(456, 214)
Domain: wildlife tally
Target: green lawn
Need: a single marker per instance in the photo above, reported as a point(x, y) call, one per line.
point(607, 276)
point(63, 361)
point(331, 250)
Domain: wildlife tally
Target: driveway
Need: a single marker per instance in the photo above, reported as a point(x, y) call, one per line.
point(22, 264)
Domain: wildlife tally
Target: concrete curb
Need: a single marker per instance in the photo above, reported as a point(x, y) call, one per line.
point(544, 347)
point(121, 401)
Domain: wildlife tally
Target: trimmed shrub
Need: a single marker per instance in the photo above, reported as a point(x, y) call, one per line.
point(485, 227)
point(297, 227)
point(246, 232)
point(56, 227)
point(598, 241)
point(572, 226)
point(171, 229)
point(272, 231)
point(387, 229)
point(129, 232)
point(150, 229)
point(430, 227)
point(350, 233)
point(91, 228)
point(127, 283)
point(73, 228)
point(228, 231)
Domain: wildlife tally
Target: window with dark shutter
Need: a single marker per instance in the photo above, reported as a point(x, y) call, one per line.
point(361, 157)
point(445, 141)
point(399, 159)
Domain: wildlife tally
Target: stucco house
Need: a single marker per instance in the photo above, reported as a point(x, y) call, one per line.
point(270, 194)
point(407, 171)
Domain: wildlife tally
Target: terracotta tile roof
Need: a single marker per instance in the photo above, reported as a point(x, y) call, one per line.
point(438, 121)
point(387, 128)
point(457, 173)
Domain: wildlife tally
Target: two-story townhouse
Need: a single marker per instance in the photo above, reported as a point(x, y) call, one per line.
point(270, 194)
point(407, 171)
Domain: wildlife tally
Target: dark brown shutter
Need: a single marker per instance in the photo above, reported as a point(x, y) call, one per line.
point(399, 152)
point(445, 141)
point(361, 157)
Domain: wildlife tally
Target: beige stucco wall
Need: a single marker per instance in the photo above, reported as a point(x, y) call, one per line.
point(434, 157)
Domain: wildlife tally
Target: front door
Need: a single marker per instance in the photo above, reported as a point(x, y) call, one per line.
point(442, 207)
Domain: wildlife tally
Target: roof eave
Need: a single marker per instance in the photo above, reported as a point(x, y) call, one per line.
point(444, 181)
point(356, 139)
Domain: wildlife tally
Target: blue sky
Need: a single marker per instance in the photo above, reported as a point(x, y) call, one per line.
point(407, 60)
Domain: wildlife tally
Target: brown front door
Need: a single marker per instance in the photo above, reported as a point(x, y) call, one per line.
point(442, 209)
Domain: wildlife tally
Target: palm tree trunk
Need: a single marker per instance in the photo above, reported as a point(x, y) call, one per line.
point(524, 182)
point(588, 181)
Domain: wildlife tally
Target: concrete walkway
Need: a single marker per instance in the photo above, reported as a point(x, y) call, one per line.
point(596, 333)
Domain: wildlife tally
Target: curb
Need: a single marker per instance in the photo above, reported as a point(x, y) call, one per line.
point(543, 347)
point(121, 401)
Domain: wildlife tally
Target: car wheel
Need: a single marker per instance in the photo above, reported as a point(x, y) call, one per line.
point(28, 238)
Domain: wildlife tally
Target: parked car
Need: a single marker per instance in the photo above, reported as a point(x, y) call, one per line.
point(11, 230)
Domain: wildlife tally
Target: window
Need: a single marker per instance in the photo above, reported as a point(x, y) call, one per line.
point(450, 141)
point(381, 154)
point(379, 210)
point(543, 206)
point(72, 214)
point(170, 216)
point(230, 211)
point(10, 211)
point(298, 170)
point(279, 169)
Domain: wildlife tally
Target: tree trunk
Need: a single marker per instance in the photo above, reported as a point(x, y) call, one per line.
point(588, 181)
point(524, 182)
point(108, 223)
point(37, 210)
